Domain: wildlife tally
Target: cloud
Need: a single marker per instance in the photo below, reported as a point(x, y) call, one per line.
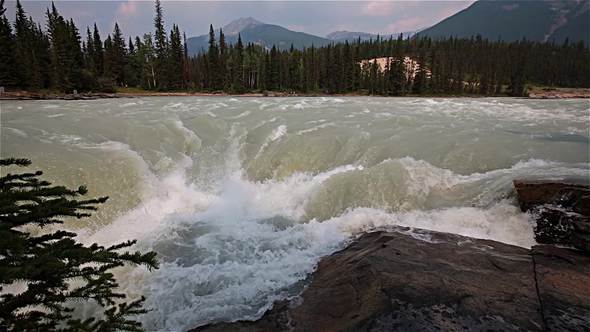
point(297, 27)
point(379, 8)
point(417, 15)
point(135, 17)
point(127, 8)
point(408, 24)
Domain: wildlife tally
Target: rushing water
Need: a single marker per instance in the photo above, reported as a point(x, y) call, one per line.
point(242, 196)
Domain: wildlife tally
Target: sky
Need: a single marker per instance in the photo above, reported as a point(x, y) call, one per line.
point(194, 17)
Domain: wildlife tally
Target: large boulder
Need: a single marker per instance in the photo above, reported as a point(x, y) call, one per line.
point(563, 281)
point(417, 280)
point(561, 210)
point(413, 280)
point(571, 193)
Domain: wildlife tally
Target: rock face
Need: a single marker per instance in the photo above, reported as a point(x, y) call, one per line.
point(418, 280)
point(563, 281)
point(561, 209)
point(393, 280)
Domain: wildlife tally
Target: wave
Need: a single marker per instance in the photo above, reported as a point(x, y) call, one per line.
point(241, 199)
point(229, 253)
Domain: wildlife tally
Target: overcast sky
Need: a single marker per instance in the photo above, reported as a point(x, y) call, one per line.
point(194, 17)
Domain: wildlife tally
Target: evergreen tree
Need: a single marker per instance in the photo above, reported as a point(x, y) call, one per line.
point(517, 87)
point(215, 78)
point(132, 66)
point(445, 66)
point(175, 59)
point(109, 59)
point(420, 85)
point(98, 52)
point(273, 70)
point(118, 57)
point(161, 49)
point(223, 72)
point(237, 70)
point(147, 59)
point(90, 56)
point(57, 270)
point(398, 76)
point(8, 73)
point(56, 31)
point(28, 66)
point(66, 53)
point(185, 63)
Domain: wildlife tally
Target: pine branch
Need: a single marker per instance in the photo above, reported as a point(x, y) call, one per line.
point(51, 264)
point(12, 161)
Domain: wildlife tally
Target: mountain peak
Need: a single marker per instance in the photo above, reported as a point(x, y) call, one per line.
point(237, 26)
point(255, 32)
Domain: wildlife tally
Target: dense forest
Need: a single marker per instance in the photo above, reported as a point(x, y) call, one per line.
point(57, 57)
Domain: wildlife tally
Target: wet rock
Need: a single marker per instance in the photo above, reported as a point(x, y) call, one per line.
point(572, 193)
point(413, 280)
point(561, 209)
point(563, 281)
point(275, 319)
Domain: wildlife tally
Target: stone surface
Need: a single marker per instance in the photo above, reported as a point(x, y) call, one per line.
point(563, 280)
point(413, 280)
point(561, 209)
point(573, 193)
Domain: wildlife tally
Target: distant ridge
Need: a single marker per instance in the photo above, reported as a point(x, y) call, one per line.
point(350, 35)
point(512, 20)
point(341, 36)
point(254, 31)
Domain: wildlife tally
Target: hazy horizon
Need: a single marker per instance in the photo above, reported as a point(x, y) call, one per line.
point(194, 17)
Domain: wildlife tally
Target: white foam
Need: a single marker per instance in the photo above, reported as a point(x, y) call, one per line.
point(17, 132)
point(190, 138)
point(175, 105)
point(232, 246)
point(241, 115)
point(276, 135)
point(279, 132)
point(316, 128)
point(249, 264)
point(233, 257)
point(162, 199)
point(502, 222)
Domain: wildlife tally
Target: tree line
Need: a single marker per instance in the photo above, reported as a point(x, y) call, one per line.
point(58, 58)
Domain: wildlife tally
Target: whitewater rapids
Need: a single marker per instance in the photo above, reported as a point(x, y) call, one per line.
point(241, 197)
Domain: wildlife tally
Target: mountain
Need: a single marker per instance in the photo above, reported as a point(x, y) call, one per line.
point(240, 24)
point(253, 31)
point(350, 36)
point(511, 20)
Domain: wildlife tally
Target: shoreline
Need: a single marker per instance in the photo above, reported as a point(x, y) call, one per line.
point(537, 93)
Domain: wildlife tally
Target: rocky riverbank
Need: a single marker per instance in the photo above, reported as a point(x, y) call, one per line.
point(403, 279)
point(536, 93)
point(30, 95)
point(559, 93)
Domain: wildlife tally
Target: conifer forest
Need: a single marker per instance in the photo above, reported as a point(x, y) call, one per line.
point(59, 56)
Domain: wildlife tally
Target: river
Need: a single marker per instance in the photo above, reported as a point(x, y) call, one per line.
point(242, 196)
